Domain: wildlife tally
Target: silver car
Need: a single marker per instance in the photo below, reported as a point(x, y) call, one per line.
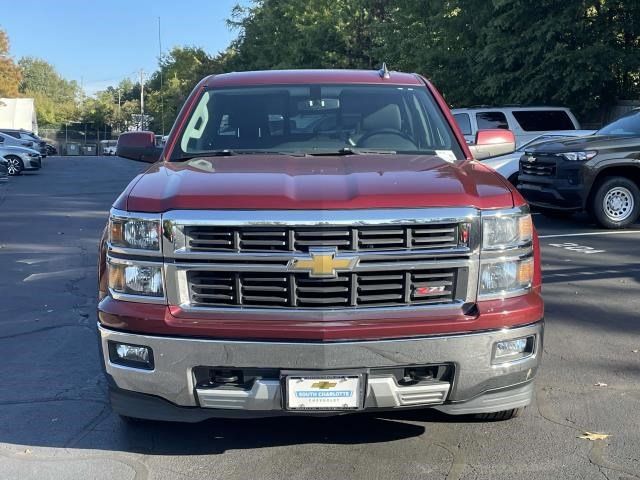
point(28, 139)
point(20, 158)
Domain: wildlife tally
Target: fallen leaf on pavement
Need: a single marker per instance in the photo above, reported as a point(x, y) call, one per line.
point(593, 436)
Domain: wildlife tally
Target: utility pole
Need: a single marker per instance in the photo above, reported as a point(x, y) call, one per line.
point(161, 79)
point(119, 112)
point(141, 99)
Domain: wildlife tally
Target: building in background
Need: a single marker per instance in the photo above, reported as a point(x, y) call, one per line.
point(19, 113)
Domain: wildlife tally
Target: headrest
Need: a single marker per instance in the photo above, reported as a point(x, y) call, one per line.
point(386, 117)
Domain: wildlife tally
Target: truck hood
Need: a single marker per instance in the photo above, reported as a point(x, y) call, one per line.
point(591, 142)
point(315, 182)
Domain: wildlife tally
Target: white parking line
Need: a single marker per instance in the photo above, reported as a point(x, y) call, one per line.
point(585, 234)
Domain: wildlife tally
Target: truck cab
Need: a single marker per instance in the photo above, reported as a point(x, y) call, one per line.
point(317, 242)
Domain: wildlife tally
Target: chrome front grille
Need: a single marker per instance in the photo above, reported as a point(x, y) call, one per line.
point(365, 289)
point(321, 261)
point(210, 238)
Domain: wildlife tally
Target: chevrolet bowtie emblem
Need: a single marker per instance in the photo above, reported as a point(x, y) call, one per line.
point(323, 385)
point(322, 263)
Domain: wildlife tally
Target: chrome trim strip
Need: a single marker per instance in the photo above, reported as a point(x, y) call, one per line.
point(134, 252)
point(124, 214)
point(352, 218)
point(183, 255)
point(406, 312)
point(283, 268)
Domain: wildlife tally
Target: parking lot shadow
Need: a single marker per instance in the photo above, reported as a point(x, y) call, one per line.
point(107, 432)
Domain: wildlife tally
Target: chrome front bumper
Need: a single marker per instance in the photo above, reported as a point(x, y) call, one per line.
point(477, 386)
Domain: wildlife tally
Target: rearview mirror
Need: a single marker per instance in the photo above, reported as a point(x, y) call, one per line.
point(318, 104)
point(490, 143)
point(140, 146)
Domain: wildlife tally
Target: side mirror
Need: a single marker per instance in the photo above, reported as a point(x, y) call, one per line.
point(490, 143)
point(140, 146)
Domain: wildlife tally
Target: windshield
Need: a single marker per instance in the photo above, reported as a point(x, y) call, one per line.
point(317, 119)
point(627, 125)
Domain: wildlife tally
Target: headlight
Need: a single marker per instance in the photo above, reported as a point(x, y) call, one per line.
point(578, 156)
point(506, 258)
point(134, 233)
point(506, 231)
point(504, 277)
point(136, 279)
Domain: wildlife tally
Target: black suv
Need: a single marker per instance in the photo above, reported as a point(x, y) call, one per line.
point(599, 173)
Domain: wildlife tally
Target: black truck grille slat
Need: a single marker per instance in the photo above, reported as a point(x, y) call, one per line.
point(541, 167)
point(210, 238)
point(298, 290)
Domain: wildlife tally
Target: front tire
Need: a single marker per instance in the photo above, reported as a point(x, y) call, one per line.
point(14, 165)
point(616, 203)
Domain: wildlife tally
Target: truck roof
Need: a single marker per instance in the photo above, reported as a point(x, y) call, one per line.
point(292, 77)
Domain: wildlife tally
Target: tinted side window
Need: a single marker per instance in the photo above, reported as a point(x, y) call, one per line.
point(489, 120)
point(464, 122)
point(12, 134)
point(543, 120)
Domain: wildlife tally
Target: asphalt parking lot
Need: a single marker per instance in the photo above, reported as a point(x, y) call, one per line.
point(55, 421)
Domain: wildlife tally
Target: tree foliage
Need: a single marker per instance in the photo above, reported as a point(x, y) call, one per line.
point(584, 54)
point(579, 53)
point(56, 99)
point(9, 71)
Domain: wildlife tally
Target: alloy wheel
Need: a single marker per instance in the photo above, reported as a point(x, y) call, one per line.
point(13, 166)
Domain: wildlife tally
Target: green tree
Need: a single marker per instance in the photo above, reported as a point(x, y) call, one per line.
point(9, 72)
point(181, 70)
point(56, 99)
point(308, 34)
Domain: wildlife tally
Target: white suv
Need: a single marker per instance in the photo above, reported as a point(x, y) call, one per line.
point(526, 123)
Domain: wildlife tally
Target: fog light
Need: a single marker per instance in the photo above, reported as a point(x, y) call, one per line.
point(136, 356)
point(510, 350)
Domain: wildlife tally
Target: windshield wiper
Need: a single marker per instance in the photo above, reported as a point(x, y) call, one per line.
point(230, 152)
point(355, 151)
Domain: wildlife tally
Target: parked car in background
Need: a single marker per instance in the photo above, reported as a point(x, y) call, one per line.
point(51, 149)
point(16, 142)
point(4, 170)
point(526, 123)
point(37, 143)
point(509, 164)
point(599, 173)
point(108, 147)
point(20, 158)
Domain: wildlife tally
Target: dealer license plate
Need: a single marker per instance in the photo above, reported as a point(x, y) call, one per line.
point(324, 392)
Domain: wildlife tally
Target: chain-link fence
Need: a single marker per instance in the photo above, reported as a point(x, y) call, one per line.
point(80, 141)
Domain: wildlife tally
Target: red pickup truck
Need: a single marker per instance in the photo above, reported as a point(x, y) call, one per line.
point(318, 242)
